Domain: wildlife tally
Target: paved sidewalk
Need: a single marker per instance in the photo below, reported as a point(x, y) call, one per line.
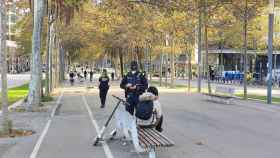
point(200, 129)
point(71, 132)
point(203, 129)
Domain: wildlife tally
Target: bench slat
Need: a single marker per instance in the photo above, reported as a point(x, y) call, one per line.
point(142, 141)
point(163, 137)
point(149, 137)
point(151, 140)
point(148, 142)
point(156, 135)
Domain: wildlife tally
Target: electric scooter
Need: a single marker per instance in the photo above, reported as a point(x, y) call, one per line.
point(102, 132)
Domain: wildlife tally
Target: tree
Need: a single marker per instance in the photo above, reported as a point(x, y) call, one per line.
point(245, 11)
point(34, 95)
point(50, 40)
point(199, 42)
point(3, 63)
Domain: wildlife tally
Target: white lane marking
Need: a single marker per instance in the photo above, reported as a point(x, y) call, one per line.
point(45, 131)
point(40, 141)
point(105, 146)
point(57, 104)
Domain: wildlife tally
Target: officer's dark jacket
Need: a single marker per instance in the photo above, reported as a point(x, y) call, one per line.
point(104, 82)
point(137, 79)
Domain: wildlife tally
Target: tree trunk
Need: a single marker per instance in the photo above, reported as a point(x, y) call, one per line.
point(116, 63)
point(51, 50)
point(3, 66)
point(172, 63)
point(245, 50)
point(206, 46)
point(61, 64)
point(151, 65)
point(47, 79)
point(166, 70)
point(34, 96)
point(121, 61)
point(199, 47)
point(56, 64)
point(190, 70)
point(160, 72)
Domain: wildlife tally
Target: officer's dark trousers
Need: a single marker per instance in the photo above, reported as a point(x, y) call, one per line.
point(133, 100)
point(103, 93)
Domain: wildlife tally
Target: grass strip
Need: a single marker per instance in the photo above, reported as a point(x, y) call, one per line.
point(17, 93)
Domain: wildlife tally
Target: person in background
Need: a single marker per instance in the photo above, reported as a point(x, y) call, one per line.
point(91, 75)
point(85, 74)
point(103, 87)
point(134, 83)
point(71, 77)
point(112, 76)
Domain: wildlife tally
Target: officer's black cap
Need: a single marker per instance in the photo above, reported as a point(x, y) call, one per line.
point(134, 65)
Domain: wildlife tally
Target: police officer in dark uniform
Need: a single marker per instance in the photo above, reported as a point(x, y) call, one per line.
point(103, 87)
point(134, 83)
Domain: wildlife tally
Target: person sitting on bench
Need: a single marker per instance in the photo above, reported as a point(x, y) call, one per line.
point(148, 111)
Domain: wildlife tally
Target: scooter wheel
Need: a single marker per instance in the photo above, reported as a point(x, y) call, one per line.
point(95, 143)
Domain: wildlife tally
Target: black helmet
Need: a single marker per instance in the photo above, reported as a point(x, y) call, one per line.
point(134, 66)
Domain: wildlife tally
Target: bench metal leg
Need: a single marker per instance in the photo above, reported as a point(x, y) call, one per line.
point(152, 153)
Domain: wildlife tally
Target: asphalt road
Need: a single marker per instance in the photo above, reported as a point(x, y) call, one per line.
point(200, 129)
point(15, 80)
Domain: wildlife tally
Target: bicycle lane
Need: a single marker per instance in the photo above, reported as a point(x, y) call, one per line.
point(119, 148)
point(71, 132)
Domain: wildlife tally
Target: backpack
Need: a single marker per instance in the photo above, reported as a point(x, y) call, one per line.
point(144, 110)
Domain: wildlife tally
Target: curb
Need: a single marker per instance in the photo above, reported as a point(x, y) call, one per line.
point(14, 105)
point(259, 100)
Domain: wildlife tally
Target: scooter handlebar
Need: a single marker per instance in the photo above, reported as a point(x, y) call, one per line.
point(120, 99)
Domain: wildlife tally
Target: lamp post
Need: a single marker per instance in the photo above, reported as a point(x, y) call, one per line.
point(270, 50)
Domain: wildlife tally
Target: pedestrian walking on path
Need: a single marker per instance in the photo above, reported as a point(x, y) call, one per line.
point(91, 75)
point(103, 87)
point(134, 83)
point(85, 74)
point(71, 76)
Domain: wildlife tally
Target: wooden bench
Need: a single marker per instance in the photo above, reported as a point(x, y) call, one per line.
point(150, 139)
point(221, 94)
point(143, 139)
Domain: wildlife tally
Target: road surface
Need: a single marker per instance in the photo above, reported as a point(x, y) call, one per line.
point(200, 129)
point(15, 80)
